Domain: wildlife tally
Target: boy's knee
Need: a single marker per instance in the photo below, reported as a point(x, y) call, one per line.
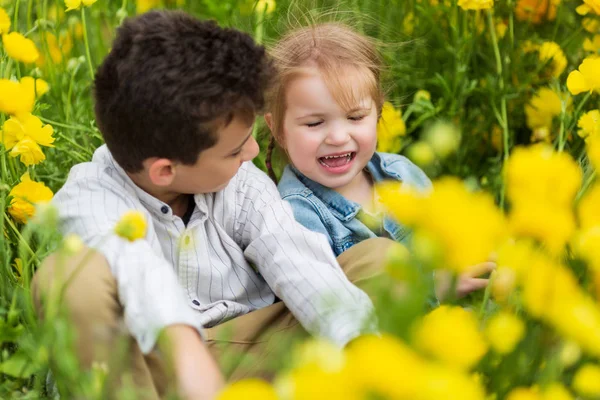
point(82, 283)
point(366, 259)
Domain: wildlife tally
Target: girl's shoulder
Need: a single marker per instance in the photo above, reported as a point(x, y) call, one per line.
point(398, 167)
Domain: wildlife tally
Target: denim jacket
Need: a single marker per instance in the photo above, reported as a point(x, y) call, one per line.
point(323, 210)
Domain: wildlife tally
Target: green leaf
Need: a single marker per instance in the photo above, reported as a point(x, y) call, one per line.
point(18, 366)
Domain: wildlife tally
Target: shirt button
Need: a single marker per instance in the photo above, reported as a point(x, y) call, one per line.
point(164, 209)
point(196, 302)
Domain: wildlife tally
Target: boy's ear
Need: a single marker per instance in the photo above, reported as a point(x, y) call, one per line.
point(161, 171)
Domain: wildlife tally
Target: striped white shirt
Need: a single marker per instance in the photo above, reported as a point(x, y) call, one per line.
point(240, 249)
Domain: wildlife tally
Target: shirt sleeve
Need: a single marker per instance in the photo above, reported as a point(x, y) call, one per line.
point(148, 288)
point(298, 264)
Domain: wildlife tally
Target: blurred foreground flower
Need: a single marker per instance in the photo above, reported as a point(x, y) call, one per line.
point(451, 335)
point(23, 135)
point(503, 331)
point(132, 226)
point(586, 381)
point(589, 124)
point(248, 389)
point(544, 105)
point(551, 53)
point(475, 4)
point(75, 4)
point(4, 21)
point(452, 217)
point(586, 78)
point(141, 6)
point(541, 186)
point(24, 197)
point(443, 137)
point(19, 48)
point(390, 129)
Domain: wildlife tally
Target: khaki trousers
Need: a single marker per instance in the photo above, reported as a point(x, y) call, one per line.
point(242, 346)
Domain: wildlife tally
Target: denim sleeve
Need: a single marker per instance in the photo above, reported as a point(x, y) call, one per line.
point(306, 213)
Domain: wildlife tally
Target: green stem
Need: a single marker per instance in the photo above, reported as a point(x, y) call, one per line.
point(503, 109)
point(486, 297)
point(16, 16)
point(19, 236)
point(586, 186)
point(76, 127)
point(561, 132)
point(87, 44)
point(29, 14)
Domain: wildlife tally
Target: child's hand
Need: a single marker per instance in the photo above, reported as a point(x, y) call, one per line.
point(467, 282)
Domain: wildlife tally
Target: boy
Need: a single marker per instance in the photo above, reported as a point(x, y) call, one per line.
point(175, 101)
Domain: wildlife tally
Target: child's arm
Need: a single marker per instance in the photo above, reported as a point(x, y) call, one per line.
point(298, 264)
point(148, 288)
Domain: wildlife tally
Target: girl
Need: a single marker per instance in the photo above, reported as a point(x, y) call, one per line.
point(323, 111)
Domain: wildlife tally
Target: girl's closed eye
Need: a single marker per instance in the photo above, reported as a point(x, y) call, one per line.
point(356, 117)
point(313, 124)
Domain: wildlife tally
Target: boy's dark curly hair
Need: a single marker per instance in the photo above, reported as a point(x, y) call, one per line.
point(170, 81)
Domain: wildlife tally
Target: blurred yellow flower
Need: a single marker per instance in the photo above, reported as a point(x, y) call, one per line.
point(501, 28)
point(450, 215)
point(536, 11)
point(591, 25)
point(541, 186)
point(24, 197)
point(15, 97)
point(443, 137)
point(503, 331)
point(544, 105)
point(475, 4)
point(586, 244)
point(592, 148)
point(556, 391)
point(132, 226)
point(141, 6)
point(586, 381)
point(19, 48)
point(57, 48)
point(588, 211)
point(551, 53)
point(522, 393)
point(451, 335)
point(589, 124)
point(4, 21)
point(421, 153)
point(265, 6)
point(390, 129)
point(422, 95)
point(586, 78)
point(592, 45)
point(248, 389)
point(75, 4)
point(594, 5)
point(38, 87)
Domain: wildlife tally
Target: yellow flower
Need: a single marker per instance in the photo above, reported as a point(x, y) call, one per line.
point(586, 381)
point(588, 211)
point(248, 389)
point(589, 124)
point(24, 196)
point(23, 134)
point(409, 23)
point(422, 95)
point(475, 4)
point(265, 6)
point(590, 25)
point(4, 21)
point(451, 335)
point(141, 6)
point(20, 48)
point(536, 11)
point(501, 28)
point(594, 5)
point(524, 394)
point(421, 153)
point(15, 97)
point(452, 216)
point(586, 78)
point(443, 137)
point(504, 331)
point(592, 45)
point(58, 48)
point(132, 226)
point(592, 148)
point(541, 185)
point(390, 129)
point(551, 53)
point(543, 107)
point(75, 4)
point(556, 391)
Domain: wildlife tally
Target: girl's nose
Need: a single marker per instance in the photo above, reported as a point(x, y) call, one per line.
point(337, 136)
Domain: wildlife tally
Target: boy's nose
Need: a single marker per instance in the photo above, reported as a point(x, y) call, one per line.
point(251, 149)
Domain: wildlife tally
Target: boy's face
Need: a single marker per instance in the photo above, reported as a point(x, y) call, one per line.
point(217, 165)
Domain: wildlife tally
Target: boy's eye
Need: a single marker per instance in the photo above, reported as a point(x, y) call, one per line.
point(237, 153)
point(314, 124)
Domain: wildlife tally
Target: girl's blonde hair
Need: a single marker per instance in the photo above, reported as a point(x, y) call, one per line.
point(335, 50)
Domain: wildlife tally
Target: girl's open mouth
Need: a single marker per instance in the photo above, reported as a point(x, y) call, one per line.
point(337, 163)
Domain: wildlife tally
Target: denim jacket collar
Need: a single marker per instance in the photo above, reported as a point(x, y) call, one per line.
point(341, 207)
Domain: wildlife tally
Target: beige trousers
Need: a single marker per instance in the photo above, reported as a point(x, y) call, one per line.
point(242, 346)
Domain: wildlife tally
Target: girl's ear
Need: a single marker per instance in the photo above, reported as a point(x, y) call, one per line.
point(269, 121)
